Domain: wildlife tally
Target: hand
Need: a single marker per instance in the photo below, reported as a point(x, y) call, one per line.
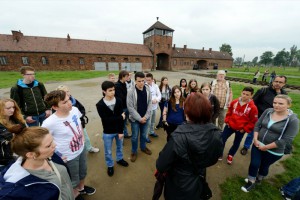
point(64, 158)
point(256, 143)
point(166, 123)
point(263, 148)
point(154, 101)
point(123, 115)
point(242, 131)
point(143, 120)
point(121, 136)
point(48, 113)
point(29, 119)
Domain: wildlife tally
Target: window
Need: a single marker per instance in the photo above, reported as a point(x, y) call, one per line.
point(45, 60)
point(25, 61)
point(68, 62)
point(112, 59)
point(192, 62)
point(3, 60)
point(81, 61)
point(137, 59)
point(125, 59)
point(61, 62)
point(100, 59)
point(174, 62)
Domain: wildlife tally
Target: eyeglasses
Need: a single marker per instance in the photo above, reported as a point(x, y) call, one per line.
point(30, 74)
point(280, 82)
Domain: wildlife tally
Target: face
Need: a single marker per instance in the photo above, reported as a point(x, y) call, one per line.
point(280, 105)
point(205, 90)
point(246, 95)
point(140, 82)
point(220, 77)
point(149, 80)
point(110, 92)
point(183, 83)
point(112, 79)
point(64, 106)
point(278, 83)
point(29, 76)
point(9, 109)
point(193, 84)
point(177, 93)
point(165, 81)
point(125, 78)
point(47, 147)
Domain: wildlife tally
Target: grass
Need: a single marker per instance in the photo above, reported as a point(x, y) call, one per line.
point(8, 79)
point(269, 188)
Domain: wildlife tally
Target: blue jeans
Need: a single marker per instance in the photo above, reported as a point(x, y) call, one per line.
point(152, 122)
point(108, 140)
point(248, 140)
point(38, 120)
point(292, 187)
point(260, 162)
point(136, 128)
point(87, 141)
point(125, 132)
point(227, 132)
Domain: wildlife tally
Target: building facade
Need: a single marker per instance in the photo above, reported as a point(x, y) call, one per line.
point(156, 53)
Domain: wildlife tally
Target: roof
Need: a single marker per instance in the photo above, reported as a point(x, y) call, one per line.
point(62, 45)
point(199, 53)
point(158, 25)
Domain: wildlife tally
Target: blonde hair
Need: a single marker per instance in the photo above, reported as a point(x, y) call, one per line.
point(17, 116)
point(63, 87)
point(286, 97)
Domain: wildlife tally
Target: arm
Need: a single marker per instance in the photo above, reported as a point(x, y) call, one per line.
point(166, 157)
point(158, 94)
point(229, 113)
point(216, 107)
point(289, 134)
point(15, 96)
point(149, 108)
point(252, 120)
point(107, 118)
point(259, 121)
point(130, 106)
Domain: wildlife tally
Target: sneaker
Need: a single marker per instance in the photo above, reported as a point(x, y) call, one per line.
point(87, 190)
point(249, 186)
point(229, 159)
point(284, 196)
point(244, 151)
point(79, 197)
point(147, 151)
point(127, 136)
point(153, 135)
point(133, 157)
point(110, 171)
point(94, 150)
point(123, 163)
point(148, 140)
point(220, 158)
point(258, 182)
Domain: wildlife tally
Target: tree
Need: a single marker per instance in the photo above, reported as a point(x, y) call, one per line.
point(266, 57)
point(254, 61)
point(226, 48)
point(282, 58)
point(293, 56)
point(238, 61)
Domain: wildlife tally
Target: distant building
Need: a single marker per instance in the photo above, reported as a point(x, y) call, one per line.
point(157, 53)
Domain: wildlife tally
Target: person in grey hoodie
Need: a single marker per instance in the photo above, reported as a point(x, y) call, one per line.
point(276, 128)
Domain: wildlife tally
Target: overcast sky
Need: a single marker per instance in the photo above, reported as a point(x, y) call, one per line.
point(250, 27)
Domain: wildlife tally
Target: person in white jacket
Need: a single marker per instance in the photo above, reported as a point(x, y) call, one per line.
point(156, 97)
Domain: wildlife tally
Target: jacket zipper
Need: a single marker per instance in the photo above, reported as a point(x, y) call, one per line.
point(37, 110)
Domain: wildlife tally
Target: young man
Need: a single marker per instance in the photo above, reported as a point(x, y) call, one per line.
point(263, 100)
point(139, 106)
point(121, 93)
point(65, 127)
point(112, 77)
point(240, 119)
point(29, 95)
point(222, 90)
point(110, 109)
point(156, 97)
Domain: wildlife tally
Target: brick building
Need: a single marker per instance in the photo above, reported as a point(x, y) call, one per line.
point(157, 52)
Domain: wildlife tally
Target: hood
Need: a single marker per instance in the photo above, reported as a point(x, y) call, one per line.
point(16, 172)
point(23, 85)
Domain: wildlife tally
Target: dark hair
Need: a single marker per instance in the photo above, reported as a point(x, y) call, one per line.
point(123, 73)
point(197, 108)
point(205, 84)
point(24, 69)
point(106, 85)
point(54, 97)
point(249, 89)
point(173, 100)
point(195, 89)
point(281, 76)
point(28, 140)
point(183, 79)
point(149, 75)
point(161, 83)
point(139, 74)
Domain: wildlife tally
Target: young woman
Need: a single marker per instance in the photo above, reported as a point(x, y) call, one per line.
point(165, 91)
point(205, 89)
point(192, 87)
point(183, 86)
point(34, 175)
point(10, 115)
point(173, 113)
point(192, 148)
point(274, 131)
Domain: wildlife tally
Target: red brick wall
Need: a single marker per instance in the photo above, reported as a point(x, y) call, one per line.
point(186, 63)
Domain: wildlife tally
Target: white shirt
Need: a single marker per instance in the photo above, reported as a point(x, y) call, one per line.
point(67, 133)
point(154, 89)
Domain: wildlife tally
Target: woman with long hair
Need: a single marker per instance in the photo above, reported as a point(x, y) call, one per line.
point(173, 113)
point(273, 133)
point(165, 91)
point(192, 87)
point(34, 175)
point(10, 115)
point(205, 89)
point(192, 147)
point(183, 86)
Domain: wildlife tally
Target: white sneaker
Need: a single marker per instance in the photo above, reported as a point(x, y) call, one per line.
point(94, 150)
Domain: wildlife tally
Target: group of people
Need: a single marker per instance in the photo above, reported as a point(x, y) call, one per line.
point(43, 135)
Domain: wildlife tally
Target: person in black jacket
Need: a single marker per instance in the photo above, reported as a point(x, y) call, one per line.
point(192, 148)
point(110, 110)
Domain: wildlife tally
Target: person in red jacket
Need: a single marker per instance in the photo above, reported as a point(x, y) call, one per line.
point(240, 119)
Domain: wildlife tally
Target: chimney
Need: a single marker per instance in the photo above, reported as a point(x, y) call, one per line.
point(17, 35)
point(174, 46)
point(202, 49)
point(209, 50)
point(184, 47)
point(68, 37)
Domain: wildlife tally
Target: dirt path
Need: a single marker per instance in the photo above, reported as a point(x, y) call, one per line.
point(136, 182)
